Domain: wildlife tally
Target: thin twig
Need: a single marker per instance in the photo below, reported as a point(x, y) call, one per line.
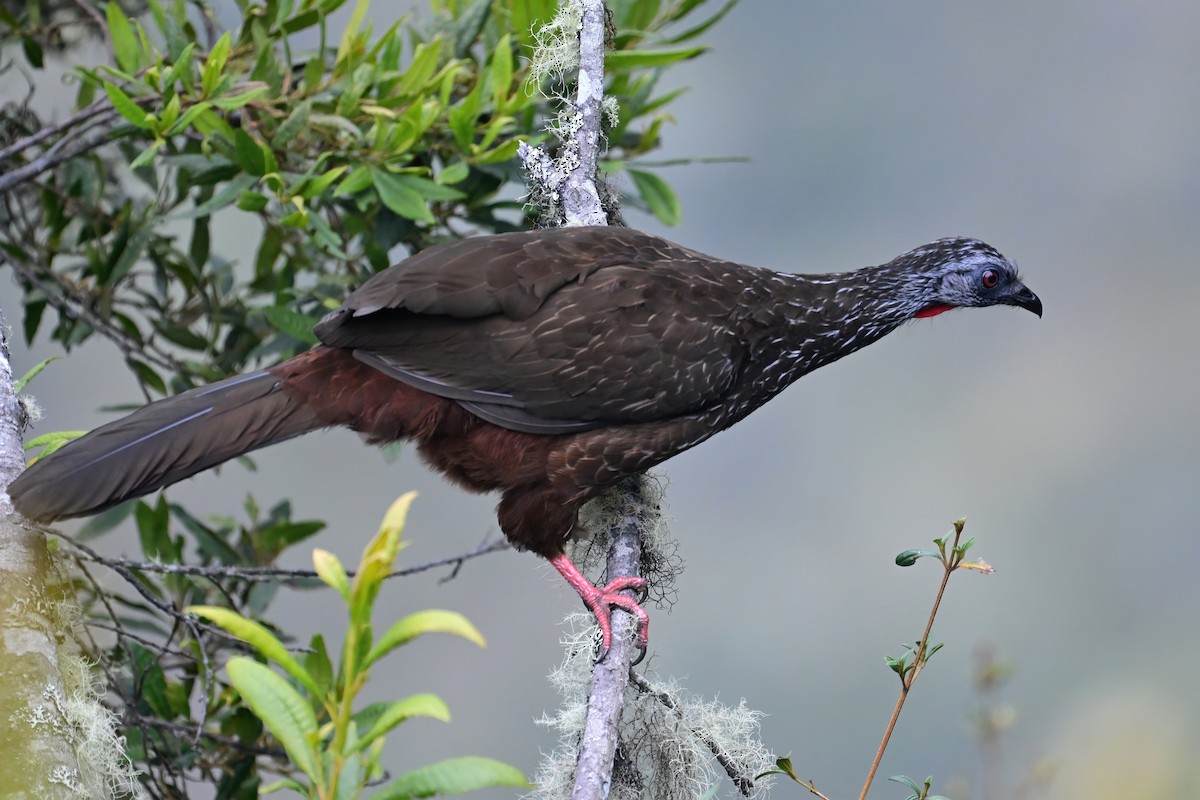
point(908, 678)
point(271, 573)
point(50, 131)
point(13, 178)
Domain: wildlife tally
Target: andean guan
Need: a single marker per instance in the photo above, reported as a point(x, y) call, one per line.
point(546, 364)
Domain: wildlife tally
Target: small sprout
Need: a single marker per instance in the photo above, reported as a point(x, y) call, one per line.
point(959, 524)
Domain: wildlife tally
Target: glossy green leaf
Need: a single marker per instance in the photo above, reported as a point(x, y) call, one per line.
point(282, 710)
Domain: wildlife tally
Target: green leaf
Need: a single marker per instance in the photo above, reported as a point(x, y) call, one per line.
point(228, 194)
point(641, 59)
point(210, 76)
point(377, 559)
point(146, 156)
point(250, 200)
point(356, 20)
point(125, 106)
point(453, 776)
point(909, 557)
point(358, 179)
point(147, 375)
point(33, 52)
point(330, 570)
point(248, 153)
point(317, 662)
point(49, 442)
point(418, 705)
point(430, 190)
point(153, 524)
point(124, 41)
point(33, 372)
point(237, 101)
point(455, 173)
point(420, 623)
point(692, 33)
point(292, 322)
point(188, 117)
point(261, 639)
point(282, 710)
point(398, 196)
point(292, 126)
point(659, 196)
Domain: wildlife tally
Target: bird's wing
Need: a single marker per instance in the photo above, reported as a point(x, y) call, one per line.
point(551, 332)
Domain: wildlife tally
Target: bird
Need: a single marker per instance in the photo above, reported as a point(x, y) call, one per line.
point(546, 365)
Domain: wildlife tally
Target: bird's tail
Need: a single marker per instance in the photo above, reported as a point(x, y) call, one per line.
point(161, 443)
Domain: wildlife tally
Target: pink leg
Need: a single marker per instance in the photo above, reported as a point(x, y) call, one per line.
point(598, 601)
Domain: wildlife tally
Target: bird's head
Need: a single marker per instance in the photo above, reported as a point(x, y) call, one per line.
point(965, 273)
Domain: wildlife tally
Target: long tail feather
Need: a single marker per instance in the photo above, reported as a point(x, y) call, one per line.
point(160, 444)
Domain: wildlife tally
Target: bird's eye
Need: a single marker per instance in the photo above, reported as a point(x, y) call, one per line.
point(990, 278)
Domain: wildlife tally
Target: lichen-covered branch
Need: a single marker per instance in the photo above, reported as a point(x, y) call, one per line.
point(57, 741)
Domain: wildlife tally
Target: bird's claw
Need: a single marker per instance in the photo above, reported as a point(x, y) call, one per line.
point(601, 602)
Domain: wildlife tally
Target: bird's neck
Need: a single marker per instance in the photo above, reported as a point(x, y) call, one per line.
point(826, 317)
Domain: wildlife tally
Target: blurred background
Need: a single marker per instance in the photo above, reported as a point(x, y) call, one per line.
point(1065, 134)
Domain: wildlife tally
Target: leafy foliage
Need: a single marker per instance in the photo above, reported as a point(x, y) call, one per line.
point(335, 746)
point(348, 147)
point(345, 151)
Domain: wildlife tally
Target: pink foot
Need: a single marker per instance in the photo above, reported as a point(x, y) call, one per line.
point(599, 601)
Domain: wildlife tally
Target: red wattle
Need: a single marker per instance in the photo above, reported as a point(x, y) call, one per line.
point(933, 311)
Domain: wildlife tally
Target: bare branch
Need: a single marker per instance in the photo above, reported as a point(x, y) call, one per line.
point(271, 573)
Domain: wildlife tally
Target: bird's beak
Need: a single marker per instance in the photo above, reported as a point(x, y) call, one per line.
point(1022, 297)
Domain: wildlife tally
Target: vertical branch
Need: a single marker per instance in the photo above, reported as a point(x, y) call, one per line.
point(581, 199)
point(610, 676)
point(39, 759)
point(571, 181)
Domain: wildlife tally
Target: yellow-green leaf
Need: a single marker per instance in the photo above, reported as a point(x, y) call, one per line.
point(356, 20)
point(49, 442)
point(418, 705)
point(260, 639)
point(124, 40)
point(420, 623)
point(377, 558)
point(330, 570)
point(452, 776)
point(283, 711)
point(125, 106)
